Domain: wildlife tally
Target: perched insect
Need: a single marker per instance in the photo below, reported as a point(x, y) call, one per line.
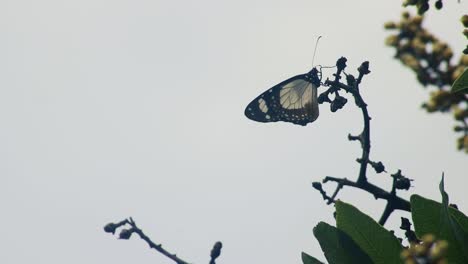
point(293, 100)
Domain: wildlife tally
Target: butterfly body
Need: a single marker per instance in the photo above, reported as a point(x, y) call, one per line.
point(293, 100)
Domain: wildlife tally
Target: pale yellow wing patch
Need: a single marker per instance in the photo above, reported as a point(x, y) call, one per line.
point(262, 105)
point(296, 94)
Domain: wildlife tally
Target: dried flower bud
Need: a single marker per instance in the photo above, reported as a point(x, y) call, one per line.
point(125, 233)
point(410, 61)
point(461, 143)
point(110, 228)
point(422, 78)
point(423, 7)
point(447, 54)
point(463, 61)
point(410, 2)
point(403, 183)
point(460, 114)
point(378, 166)
point(390, 25)
point(417, 20)
point(323, 97)
point(419, 250)
point(458, 129)
point(430, 106)
point(439, 250)
point(392, 40)
point(338, 103)
point(427, 250)
point(428, 238)
point(413, 28)
point(440, 96)
point(216, 251)
point(341, 63)
point(438, 47)
point(405, 254)
point(405, 224)
point(364, 68)
point(426, 36)
point(457, 72)
point(419, 46)
point(317, 186)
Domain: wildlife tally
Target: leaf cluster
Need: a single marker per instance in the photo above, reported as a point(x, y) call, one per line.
point(357, 238)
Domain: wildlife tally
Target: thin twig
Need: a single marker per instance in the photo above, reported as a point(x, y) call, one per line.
point(157, 247)
point(378, 193)
point(127, 233)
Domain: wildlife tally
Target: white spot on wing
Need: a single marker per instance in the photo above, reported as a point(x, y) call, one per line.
point(262, 105)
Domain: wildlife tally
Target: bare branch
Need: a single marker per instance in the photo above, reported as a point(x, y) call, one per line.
point(127, 233)
point(394, 202)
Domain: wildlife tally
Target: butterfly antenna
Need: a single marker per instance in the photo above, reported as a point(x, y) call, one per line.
point(315, 50)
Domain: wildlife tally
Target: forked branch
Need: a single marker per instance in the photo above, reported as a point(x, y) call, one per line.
point(394, 202)
point(126, 233)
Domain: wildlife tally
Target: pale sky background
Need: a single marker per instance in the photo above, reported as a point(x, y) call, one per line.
point(110, 109)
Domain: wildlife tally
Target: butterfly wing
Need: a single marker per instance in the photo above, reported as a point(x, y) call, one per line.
point(293, 100)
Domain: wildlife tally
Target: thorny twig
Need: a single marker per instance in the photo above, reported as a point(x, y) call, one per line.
point(127, 233)
point(394, 202)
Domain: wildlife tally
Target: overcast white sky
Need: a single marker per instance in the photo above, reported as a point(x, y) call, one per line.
point(110, 109)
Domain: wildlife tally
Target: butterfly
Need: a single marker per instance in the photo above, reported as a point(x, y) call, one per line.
point(293, 100)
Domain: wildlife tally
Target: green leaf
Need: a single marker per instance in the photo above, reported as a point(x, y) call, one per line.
point(338, 247)
point(379, 244)
point(306, 259)
point(450, 228)
point(425, 214)
point(461, 83)
point(446, 223)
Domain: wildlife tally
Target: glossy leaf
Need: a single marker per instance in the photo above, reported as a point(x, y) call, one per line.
point(446, 223)
point(379, 244)
point(425, 214)
point(338, 247)
point(450, 228)
point(307, 259)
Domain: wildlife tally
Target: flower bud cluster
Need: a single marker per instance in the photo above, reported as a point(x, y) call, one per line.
point(423, 5)
point(424, 53)
point(428, 251)
point(400, 181)
point(464, 21)
point(430, 59)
